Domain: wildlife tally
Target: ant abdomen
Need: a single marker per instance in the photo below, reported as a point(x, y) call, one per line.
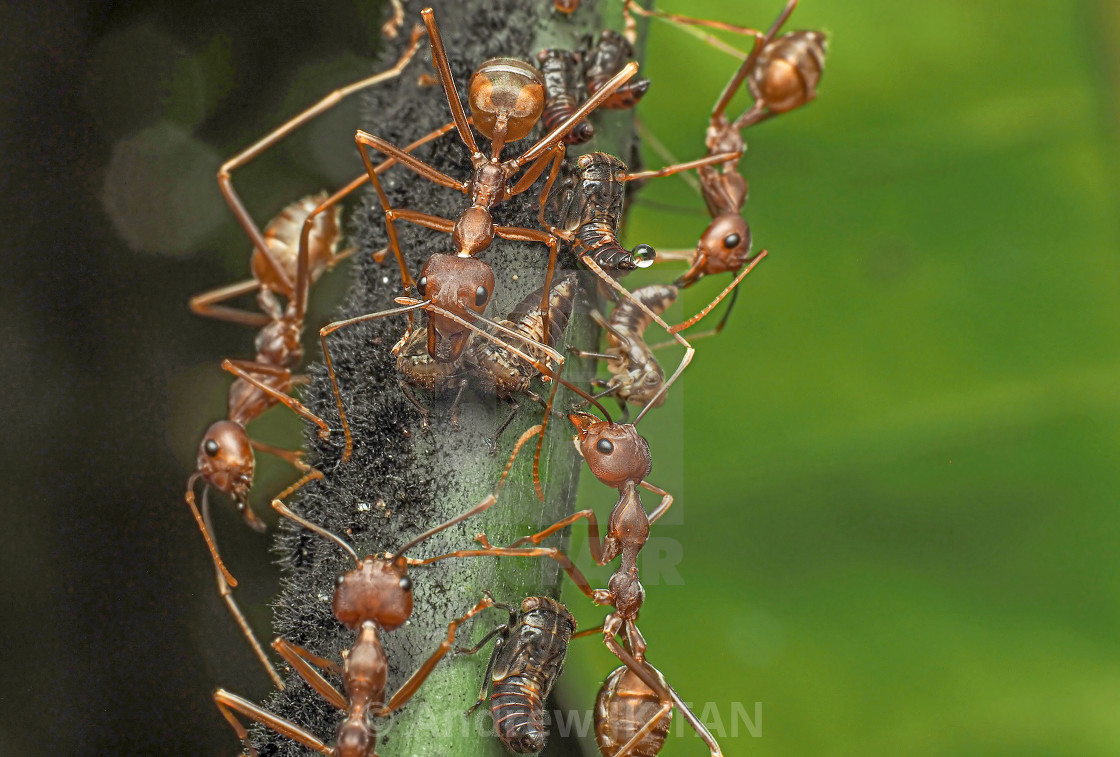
point(506, 89)
point(282, 235)
point(788, 70)
point(624, 705)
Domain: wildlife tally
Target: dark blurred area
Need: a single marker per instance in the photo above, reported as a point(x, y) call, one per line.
point(115, 119)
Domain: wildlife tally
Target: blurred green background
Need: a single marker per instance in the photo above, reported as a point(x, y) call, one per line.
point(896, 491)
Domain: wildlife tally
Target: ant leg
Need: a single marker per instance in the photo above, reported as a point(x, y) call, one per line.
point(206, 304)
point(225, 590)
point(327, 331)
point(225, 182)
point(666, 500)
point(521, 234)
point(546, 143)
point(489, 550)
point(696, 318)
point(439, 59)
point(302, 661)
point(244, 369)
point(392, 26)
point(363, 140)
point(628, 748)
point(689, 351)
point(697, 726)
point(204, 527)
point(588, 632)
point(592, 534)
point(665, 692)
point(230, 705)
point(707, 160)
point(405, 692)
point(292, 457)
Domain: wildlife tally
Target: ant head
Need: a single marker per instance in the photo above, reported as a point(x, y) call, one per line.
point(461, 285)
point(614, 452)
point(225, 460)
point(509, 92)
point(724, 246)
point(788, 70)
point(377, 590)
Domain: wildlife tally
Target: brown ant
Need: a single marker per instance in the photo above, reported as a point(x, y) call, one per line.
point(506, 98)
point(225, 457)
point(527, 659)
point(782, 73)
point(275, 260)
point(372, 599)
point(619, 457)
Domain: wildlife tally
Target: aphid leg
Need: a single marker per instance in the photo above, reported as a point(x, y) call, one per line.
point(405, 692)
point(245, 156)
point(425, 413)
point(230, 705)
point(304, 663)
point(244, 370)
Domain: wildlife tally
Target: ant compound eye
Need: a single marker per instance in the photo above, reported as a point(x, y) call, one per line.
point(210, 447)
point(422, 284)
point(406, 583)
point(481, 296)
point(605, 446)
point(731, 241)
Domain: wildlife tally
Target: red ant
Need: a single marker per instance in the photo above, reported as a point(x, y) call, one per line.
point(506, 98)
point(782, 73)
point(619, 457)
point(372, 599)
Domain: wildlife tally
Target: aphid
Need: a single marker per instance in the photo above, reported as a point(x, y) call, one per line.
point(605, 59)
point(506, 98)
point(372, 599)
point(561, 70)
point(527, 659)
point(499, 372)
point(636, 376)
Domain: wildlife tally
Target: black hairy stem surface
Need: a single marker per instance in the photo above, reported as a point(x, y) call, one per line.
point(402, 480)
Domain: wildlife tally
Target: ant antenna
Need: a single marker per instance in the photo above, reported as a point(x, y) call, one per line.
point(281, 508)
